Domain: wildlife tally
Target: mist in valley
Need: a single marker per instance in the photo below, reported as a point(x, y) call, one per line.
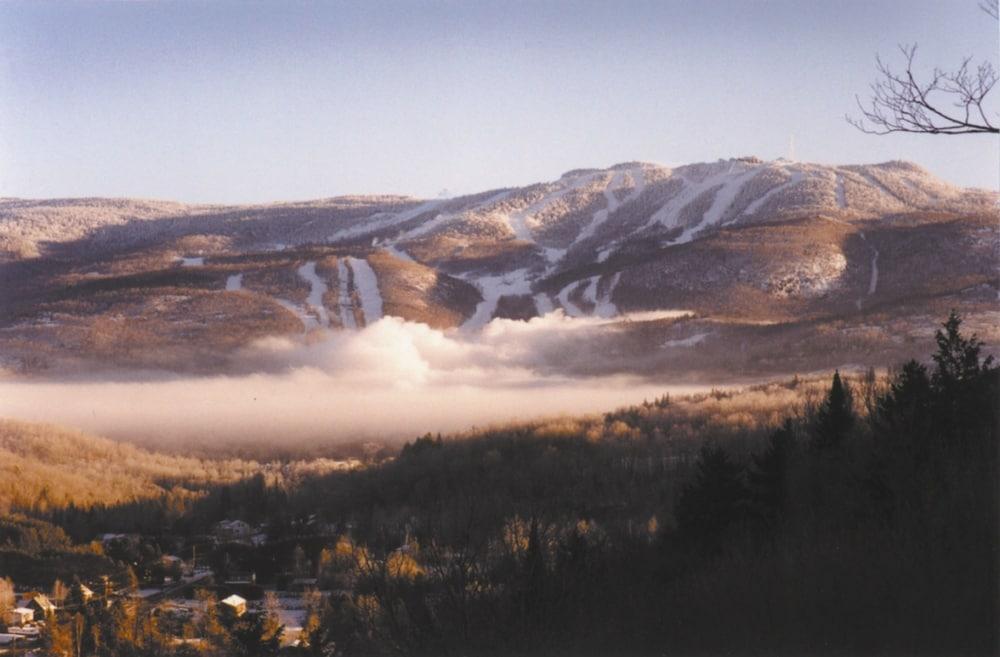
point(390, 381)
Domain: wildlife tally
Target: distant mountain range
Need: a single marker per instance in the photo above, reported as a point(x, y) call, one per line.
point(742, 244)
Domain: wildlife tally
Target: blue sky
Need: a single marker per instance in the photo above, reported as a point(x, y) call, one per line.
point(259, 101)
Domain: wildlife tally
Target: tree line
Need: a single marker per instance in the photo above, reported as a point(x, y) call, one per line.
point(861, 522)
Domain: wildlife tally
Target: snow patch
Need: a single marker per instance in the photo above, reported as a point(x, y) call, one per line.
point(797, 177)
point(381, 220)
point(602, 304)
point(494, 287)
point(543, 304)
point(590, 292)
point(317, 288)
point(873, 281)
point(571, 308)
point(686, 342)
point(639, 182)
point(602, 215)
point(192, 262)
point(604, 307)
point(426, 227)
point(841, 196)
point(445, 218)
point(654, 315)
point(308, 321)
point(234, 283)
point(399, 253)
point(518, 221)
point(809, 277)
point(724, 197)
point(366, 283)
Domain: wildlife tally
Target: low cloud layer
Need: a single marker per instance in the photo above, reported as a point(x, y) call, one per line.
point(391, 380)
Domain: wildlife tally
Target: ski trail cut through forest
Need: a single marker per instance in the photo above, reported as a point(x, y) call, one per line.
point(366, 283)
point(317, 288)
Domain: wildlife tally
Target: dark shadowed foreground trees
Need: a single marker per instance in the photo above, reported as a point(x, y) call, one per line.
point(835, 417)
point(840, 534)
point(710, 504)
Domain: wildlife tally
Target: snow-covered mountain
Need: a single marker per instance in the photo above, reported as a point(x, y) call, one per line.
point(743, 240)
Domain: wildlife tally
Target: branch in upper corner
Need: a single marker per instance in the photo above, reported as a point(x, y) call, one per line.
point(945, 103)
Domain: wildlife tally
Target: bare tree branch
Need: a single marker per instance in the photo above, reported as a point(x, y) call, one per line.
point(948, 103)
point(991, 8)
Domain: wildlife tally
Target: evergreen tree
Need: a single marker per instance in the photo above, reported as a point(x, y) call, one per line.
point(904, 408)
point(253, 635)
point(340, 627)
point(768, 476)
point(966, 415)
point(936, 435)
point(902, 424)
point(714, 500)
point(76, 596)
point(965, 392)
point(533, 587)
point(957, 359)
point(835, 416)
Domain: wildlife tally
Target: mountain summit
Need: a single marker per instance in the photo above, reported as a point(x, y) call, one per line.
point(739, 240)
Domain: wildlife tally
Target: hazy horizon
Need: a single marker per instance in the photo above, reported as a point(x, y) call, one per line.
point(441, 194)
point(266, 102)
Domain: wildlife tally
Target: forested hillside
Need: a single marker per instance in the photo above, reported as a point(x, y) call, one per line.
point(46, 468)
point(769, 520)
point(814, 252)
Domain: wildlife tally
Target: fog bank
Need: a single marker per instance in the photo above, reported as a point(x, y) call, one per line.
point(392, 380)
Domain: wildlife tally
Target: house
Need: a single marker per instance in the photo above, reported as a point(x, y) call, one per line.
point(176, 566)
point(240, 577)
point(120, 540)
point(170, 560)
point(303, 584)
point(232, 531)
point(40, 605)
point(173, 567)
point(19, 617)
point(234, 605)
point(30, 631)
point(80, 593)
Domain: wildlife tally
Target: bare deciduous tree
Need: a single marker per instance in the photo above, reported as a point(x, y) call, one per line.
point(946, 103)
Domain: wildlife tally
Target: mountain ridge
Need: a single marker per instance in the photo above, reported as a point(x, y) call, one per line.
point(742, 239)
